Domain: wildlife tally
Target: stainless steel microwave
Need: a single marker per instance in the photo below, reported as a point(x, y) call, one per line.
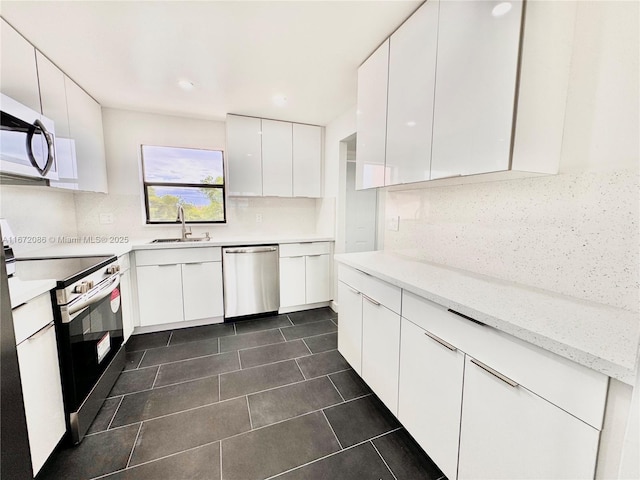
point(27, 142)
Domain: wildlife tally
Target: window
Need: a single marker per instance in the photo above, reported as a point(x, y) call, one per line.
point(189, 177)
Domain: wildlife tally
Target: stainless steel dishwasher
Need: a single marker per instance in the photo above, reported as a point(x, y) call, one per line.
point(251, 280)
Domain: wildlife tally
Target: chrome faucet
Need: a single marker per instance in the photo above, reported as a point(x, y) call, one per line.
point(185, 232)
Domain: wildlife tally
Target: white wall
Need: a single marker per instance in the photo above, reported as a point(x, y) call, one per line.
point(41, 212)
point(124, 132)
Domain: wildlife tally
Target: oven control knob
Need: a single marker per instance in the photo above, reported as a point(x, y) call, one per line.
point(90, 284)
point(113, 269)
point(82, 288)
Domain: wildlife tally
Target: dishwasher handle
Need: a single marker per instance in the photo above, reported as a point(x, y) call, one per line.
point(251, 250)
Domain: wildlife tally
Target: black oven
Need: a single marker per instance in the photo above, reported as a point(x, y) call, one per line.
point(89, 337)
point(87, 308)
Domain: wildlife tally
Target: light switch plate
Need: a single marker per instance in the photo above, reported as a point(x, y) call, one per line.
point(393, 223)
point(258, 218)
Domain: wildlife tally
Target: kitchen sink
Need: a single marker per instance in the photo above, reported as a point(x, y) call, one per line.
point(174, 240)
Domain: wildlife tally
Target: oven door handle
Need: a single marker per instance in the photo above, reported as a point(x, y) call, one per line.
point(100, 293)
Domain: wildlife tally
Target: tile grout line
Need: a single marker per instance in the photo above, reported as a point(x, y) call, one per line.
point(301, 372)
point(305, 344)
point(383, 460)
point(249, 411)
point(219, 379)
point(134, 445)
point(144, 352)
point(220, 458)
point(337, 390)
point(332, 430)
point(169, 340)
point(155, 379)
point(289, 318)
point(239, 360)
point(235, 332)
point(334, 453)
point(115, 413)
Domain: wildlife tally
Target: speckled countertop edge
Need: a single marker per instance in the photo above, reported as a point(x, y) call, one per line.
point(597, 336)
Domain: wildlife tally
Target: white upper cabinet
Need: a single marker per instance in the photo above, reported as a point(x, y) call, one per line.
point(412, 70)
point(477, 64)
point(54, 106)
point(277, 160)
point(307, 160)
point(244, 155)
point(85, 128)
point(372, 119)
point(273, 158)
point(18, 76)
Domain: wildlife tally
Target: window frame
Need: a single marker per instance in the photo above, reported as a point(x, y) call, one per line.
point(222, 187)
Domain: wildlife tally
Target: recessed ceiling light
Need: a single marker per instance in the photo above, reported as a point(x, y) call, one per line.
point(501, 9)
point(411, 123)
point(185, 84)
point(279, 99)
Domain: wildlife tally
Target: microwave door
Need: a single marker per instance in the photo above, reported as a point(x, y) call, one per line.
point(27, 145)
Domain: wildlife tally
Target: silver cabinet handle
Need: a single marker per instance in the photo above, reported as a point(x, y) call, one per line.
point(353, 290)
point(251, 250)
point(41, 331)
point(490, 370)
point(317, 255)
point(371, 300)
point(441, 341)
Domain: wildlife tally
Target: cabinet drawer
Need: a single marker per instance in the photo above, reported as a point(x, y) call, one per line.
point(307, 248)
point(168, 256)
point(377, 290)
point(574, 388)
point(32, 316)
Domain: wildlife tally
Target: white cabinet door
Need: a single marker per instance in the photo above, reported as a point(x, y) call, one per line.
point(318, 278)
point(42, 392)
point(126, 293)
point(381, 351)
point(18, 75)
point(307, 160)
point(54, 106)
point(372, 119)
point(85, 128)
point(244, 156)
point(277, 160)
point(412, 69)
point(510, 433)
point(202, 290)
point(430, 395)
point(160, 294)
point(350, 326)
point(475, 87)
point(292, 281)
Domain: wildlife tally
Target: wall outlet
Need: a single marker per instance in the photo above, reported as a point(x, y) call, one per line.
point(258, 218)
point(106, 218)
point(393, 223)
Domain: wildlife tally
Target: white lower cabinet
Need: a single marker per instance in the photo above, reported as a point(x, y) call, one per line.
point(202, 290)
point(305, 273)
point(381, 351)
point(40, 378)
point(481, 403)
point(317, 278)
point(350, 326)
point(509, 432)
point(179, 285)
point(292, 281)
point(430, 394)
point(159, 294)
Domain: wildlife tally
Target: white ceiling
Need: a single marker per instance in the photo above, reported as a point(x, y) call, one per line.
point(131, 54)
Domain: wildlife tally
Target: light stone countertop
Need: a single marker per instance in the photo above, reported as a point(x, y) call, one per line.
point(597, 336)
point(22, 291)
point(79, 249)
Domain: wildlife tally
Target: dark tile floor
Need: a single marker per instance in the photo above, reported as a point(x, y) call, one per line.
point(258, 399)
